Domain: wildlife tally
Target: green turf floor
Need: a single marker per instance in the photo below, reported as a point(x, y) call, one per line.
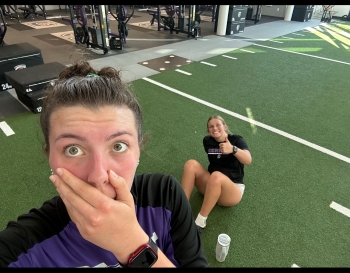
point(285, 216)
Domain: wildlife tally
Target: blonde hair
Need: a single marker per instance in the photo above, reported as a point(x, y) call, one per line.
point(222, 120)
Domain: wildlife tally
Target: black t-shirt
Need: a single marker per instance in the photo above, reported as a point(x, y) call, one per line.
point(228, 164)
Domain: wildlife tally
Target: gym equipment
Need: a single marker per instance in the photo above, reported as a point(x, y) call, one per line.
point(3, 28)
point(190, 24)
point(166, 22)
point(95, 36)
point(29, 83)
point(250, 13)
point(117, 41)
point(6, 9)
point(16, 57)
point(302, 13)
point(195, 15)
point(236, 18)
point(327, 13)
point(78, 15)
point(33, 11)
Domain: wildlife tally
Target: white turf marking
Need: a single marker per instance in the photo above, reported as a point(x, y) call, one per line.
point(276, 41)
point(252, 121)
point(287, 37)
point(332, 60)
point(298, 34)
point(295, 265)
point(183, 72)
point(6, 128)
point(229, 57)
point(247, 51)
point(208, 63)
point(340, 208)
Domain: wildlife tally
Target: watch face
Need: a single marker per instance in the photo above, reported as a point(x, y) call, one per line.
point(145, 258)
point(234, 150)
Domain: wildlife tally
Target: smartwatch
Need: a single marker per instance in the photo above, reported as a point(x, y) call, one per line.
point(145, 256)
point(234, 150)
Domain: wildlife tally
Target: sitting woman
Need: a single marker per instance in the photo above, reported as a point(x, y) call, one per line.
point(222, 182)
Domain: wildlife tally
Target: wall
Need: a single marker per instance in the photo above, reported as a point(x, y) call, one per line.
point(273, 10)
point(341, 10)
point(279, 10)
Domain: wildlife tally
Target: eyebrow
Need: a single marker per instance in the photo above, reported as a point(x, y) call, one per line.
point(84, 139)
point(118, 134)
point(70, 136)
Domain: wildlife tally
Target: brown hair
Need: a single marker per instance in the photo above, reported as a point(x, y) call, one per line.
point(219, 118)
point(80, 84)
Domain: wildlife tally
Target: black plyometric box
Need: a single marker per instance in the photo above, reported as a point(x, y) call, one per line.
point(303, 14)
point(30, 83)
point(304, 7)
point(33, 100)
point(237, 14)
point(17, 56)
point(235, 27)
point(34, 78)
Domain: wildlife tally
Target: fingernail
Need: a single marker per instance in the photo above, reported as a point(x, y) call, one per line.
point(52, 178)
point(113, 173)
point(59, 171)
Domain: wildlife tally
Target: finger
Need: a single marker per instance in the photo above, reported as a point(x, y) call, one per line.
point(82, 194)
point(75, 205)
point(121, 188)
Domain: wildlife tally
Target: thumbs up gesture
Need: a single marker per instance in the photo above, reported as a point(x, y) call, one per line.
point(226, 147)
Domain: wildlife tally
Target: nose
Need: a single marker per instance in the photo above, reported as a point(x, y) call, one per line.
point(97, 173)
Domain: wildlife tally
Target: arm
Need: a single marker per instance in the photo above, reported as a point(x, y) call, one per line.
point(31, 228)
point(242, 154)
point(186, 239)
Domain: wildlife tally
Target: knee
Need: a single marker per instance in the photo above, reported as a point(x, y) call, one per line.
point(215, 178)
point(191, 165)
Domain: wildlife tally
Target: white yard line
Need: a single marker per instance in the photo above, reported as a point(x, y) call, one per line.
point(340, 208)
point(252, 121)
point(304, 54)
point(6, 128)
point(183, 72)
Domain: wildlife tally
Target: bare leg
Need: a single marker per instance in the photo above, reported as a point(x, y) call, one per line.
point(219, 189)
point(194, 175)
point(215, 187)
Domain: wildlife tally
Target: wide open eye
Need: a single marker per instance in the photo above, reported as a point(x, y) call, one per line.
point(73, 151)
point(120, 147)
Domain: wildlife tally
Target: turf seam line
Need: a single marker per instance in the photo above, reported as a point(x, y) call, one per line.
point(252, 121)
